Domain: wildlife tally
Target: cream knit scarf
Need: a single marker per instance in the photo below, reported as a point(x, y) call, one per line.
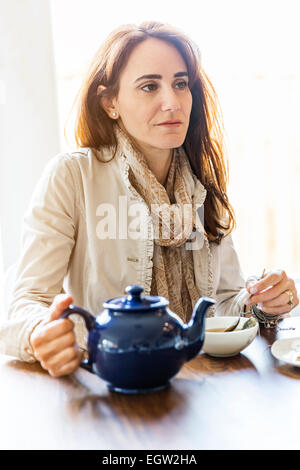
point(174, 217)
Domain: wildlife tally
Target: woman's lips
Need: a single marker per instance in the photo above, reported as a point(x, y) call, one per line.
point(170, 123)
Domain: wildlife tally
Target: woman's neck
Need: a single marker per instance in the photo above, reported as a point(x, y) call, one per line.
point(158, 160)
point(159, 165)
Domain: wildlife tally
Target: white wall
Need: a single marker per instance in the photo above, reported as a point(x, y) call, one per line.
point(1, 283)
point(29, 133)
point(250, 51)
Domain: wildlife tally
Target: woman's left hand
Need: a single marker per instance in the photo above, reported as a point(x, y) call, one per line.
point(270, 292)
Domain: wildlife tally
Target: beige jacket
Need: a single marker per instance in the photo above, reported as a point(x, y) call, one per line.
point(67, 246)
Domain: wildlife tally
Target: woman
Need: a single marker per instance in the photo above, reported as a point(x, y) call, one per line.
point(150, 146)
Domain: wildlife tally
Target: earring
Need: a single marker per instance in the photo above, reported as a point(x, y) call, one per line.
point(114, 114)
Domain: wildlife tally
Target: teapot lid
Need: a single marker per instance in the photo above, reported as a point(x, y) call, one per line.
point(135, 301)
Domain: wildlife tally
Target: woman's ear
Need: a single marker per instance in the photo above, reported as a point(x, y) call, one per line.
point(107, 102)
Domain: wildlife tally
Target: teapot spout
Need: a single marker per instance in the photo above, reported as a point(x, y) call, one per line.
point(193, 333)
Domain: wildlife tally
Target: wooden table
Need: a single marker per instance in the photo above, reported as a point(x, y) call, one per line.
point(250, 401)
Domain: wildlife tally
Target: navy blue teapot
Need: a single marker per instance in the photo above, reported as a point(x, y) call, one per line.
point(137, 344)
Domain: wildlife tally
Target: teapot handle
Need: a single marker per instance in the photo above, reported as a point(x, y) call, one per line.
point(89, 320)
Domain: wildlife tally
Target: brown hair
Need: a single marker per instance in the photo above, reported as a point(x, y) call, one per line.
point(204, 140)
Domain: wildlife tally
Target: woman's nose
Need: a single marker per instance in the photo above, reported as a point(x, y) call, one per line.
point(171, 107)
point(170, 101)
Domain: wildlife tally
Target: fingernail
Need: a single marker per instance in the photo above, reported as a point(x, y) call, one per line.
point(253, 290)
point(260, 305)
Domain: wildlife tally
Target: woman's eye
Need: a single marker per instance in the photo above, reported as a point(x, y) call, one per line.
point(183, 84)
point(153, 86)
point(149, 87)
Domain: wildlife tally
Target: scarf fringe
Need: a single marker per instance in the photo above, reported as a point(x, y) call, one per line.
point(202, 256)
point(144, 268)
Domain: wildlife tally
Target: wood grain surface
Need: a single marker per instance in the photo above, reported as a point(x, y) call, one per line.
point(250, 401)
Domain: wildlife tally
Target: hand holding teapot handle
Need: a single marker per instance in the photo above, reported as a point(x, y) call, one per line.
point(53, 340)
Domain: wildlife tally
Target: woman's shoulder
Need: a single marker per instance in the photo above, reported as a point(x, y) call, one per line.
point(102, 155)
point(82, 160)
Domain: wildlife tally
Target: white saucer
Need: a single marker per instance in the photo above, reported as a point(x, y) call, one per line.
point(287, 350)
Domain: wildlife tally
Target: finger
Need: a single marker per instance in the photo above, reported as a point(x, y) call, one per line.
point(276, 310)
point(251, 281)
point(271, 293)
point(268, 281)
point(53, 330)
point(67, 368)
point(48, 349)
point(58, 360)
point(279, 301)
point(60, 303)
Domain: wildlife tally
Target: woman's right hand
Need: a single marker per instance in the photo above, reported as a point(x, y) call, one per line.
point(53, 340)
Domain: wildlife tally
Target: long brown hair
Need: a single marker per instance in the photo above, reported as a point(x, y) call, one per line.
point(204, 140)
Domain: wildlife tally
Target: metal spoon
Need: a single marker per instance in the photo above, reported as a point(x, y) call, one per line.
point(232, 327)
point(249, 323)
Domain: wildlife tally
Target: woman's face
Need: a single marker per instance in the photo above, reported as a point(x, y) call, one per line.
point(154, 100)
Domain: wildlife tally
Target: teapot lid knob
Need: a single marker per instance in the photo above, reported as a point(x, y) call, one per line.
point(135, 301)
point(134, 290)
